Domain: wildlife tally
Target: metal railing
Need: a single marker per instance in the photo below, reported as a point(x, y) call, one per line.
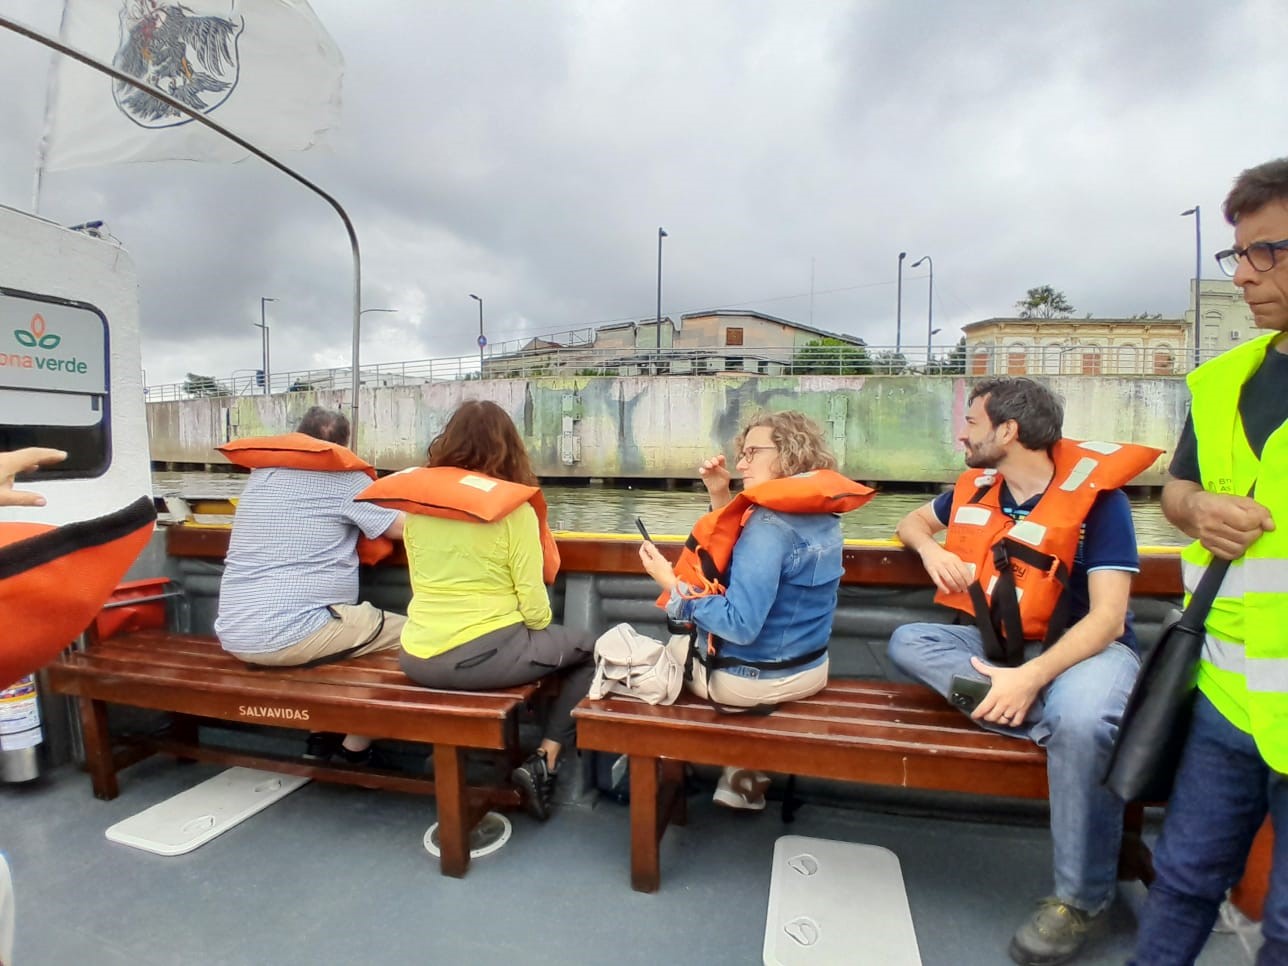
point(581, 361)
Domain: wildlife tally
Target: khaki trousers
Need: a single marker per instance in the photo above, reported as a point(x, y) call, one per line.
point(354, 630)
point(740, 692)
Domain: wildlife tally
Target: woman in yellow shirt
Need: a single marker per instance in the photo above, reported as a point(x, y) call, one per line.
point(480, 616)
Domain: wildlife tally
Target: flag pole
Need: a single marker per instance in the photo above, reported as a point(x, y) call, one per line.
point(88, 61)
point(42, 150)
point(36, 184)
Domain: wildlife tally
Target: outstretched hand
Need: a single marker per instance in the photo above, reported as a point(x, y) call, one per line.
point(24, 461)
point(657, 566)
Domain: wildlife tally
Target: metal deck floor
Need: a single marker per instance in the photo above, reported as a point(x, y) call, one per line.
point(338, 875)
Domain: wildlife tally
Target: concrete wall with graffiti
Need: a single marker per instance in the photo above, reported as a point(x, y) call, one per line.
point(883, 428)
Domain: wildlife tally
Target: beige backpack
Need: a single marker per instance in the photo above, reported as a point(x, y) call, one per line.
point(634, 666)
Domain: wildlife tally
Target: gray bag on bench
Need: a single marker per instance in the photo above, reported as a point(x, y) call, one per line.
point(629, 664)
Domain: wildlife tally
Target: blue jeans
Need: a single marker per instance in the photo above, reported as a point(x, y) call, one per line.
point(1075, 718)
point(1223, 791)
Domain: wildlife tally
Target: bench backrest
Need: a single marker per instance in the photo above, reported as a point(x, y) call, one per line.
point(601, 584)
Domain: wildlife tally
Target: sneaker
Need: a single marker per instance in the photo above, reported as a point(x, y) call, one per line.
point(537, 782)
point(322, 745)
point(1054, 934)
point(742, 788)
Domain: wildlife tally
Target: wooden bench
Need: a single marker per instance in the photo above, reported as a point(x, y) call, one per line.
point(193, 679)
point(859, 730)
point(873, 732)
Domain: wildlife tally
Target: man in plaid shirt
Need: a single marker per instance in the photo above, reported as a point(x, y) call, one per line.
point(289, 594)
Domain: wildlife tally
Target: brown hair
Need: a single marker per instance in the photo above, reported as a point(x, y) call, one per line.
point(1037, 411)
point(1255, 188)
point(799, 441)
point(480, 436)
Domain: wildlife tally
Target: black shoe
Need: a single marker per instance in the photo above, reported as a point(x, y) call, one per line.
point(537, 782)
point(322, 745)
point(369, 757)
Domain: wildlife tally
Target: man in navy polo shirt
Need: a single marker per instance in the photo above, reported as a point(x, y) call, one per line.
point(1067, 697)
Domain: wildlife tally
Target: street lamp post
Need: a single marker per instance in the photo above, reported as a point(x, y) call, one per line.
point(363, 312)
point(262, 325)
point(930, 302)
point(661, 233)
point(1198, 270)
point(898, 308)
point(482, 337)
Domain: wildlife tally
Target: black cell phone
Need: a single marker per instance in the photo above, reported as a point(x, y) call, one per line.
point(967, 693)
point(643, 529)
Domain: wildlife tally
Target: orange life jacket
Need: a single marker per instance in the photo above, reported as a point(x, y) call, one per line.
point(53, 580)
point(1022, 566)
point(456, 494)
point(704, 561)
point(703, 564)
point(299, 451)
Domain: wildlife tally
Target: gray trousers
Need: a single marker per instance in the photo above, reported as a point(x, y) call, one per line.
point(516, 655)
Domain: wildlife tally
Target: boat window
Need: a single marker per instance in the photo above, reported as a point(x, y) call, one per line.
point(54, 381)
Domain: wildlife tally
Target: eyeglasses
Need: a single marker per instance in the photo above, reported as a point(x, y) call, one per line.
point(1260, 255)
point(749, 452)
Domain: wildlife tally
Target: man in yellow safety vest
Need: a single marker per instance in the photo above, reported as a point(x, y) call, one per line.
point(1229, 486)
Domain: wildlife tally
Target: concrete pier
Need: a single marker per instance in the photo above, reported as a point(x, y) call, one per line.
point(882, 428)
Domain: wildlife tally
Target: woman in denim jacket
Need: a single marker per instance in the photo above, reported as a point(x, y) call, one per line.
point(781, 591)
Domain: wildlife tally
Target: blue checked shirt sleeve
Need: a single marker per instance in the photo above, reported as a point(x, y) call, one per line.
point(372, 520)
point(738, 616)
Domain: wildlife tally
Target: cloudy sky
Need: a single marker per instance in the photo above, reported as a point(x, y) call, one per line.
point(528, 152)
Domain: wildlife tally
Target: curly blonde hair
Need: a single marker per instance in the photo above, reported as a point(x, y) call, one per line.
point(798, 438)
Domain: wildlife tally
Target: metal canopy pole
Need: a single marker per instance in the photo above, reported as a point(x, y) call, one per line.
point(182, 108)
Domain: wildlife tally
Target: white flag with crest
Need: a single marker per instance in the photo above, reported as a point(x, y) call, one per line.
point(265, 69)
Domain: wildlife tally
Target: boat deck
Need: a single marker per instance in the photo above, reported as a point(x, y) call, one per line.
point(333, 874)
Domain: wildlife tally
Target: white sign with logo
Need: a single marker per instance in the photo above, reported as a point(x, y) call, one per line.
point(52, 346)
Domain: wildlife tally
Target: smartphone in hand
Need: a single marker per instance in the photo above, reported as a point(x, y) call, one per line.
point(643, 529)
point(966, 693)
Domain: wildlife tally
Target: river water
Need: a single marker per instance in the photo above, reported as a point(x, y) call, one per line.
point(597, 509)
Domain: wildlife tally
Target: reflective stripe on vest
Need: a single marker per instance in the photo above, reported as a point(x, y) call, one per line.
point(1244, 666)
point(1226, 655)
